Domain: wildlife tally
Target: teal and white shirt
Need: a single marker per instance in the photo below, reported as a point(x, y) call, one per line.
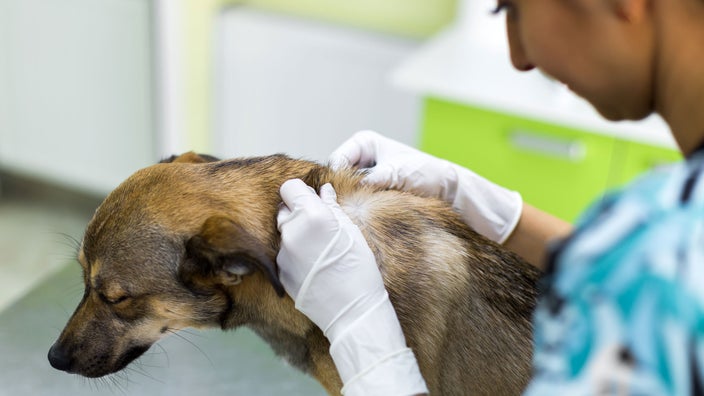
point(621, 310)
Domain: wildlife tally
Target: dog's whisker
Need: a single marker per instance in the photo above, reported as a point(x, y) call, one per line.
point(74, 290)
point(99, 384)
point(135, 368)
point(166, 354)
point(69, 240)
point(122, 383)
point(116, 383)
point(193, 333)
point(108, 382)
point(174, 332)
point(153, 353)
point(65, 257)
point(144, 366)
point(141, 365)
point(139, 369)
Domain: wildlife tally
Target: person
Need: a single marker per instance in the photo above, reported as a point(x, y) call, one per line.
point(620, 309)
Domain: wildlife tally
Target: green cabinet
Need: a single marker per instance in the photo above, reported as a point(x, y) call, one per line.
point(555, 168)
point(636, 158)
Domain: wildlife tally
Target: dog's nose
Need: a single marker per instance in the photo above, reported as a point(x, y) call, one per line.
point(58, 358)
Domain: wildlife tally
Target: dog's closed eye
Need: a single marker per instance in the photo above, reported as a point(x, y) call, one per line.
point(114, 300)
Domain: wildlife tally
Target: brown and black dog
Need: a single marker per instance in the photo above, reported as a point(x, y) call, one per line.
point(192, 242)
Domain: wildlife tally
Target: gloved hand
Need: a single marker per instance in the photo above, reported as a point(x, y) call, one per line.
point(490, 209)
point(329, 270)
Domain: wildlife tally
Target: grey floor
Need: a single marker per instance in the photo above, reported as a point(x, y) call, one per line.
point(40, 284)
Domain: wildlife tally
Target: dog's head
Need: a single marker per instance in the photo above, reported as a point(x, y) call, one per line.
point(168, 249)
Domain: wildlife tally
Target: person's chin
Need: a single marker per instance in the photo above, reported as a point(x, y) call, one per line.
point(621, 113)
point(610, 114)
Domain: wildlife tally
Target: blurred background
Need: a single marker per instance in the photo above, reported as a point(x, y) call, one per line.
point(92, 90)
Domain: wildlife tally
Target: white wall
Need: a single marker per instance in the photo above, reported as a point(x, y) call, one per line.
point(76, 95)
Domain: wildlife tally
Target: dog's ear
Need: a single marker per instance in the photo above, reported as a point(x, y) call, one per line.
point(226, 251)
point(190, 158)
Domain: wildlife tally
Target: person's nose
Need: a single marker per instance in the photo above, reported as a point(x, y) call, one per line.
point(519, 59)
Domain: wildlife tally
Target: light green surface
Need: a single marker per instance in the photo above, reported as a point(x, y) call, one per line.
point(485, 141)
point(415, 18)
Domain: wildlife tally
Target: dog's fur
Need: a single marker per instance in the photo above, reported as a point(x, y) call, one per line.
point(193, 243)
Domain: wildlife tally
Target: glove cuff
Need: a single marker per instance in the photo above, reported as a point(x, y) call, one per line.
point(372, 358)
point(490, 209)
point(396, 375)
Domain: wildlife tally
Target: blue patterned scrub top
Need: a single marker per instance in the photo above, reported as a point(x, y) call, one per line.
point(621, 310)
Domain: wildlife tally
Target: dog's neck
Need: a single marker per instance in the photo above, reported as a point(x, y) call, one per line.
point(253, 185)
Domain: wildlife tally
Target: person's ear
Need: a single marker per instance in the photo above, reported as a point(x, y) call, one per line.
point(222, 253)
point(631, 10)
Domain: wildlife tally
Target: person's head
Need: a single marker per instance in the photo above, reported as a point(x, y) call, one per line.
point(607, 51)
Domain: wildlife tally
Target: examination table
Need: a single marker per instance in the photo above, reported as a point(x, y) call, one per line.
point(197, 363)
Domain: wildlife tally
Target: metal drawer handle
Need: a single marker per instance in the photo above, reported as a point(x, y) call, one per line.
point(567, 149)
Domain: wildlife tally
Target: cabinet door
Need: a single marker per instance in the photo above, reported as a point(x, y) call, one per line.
point(303, 88)
point(557, 169)
point(76, 90)
point(635, 158)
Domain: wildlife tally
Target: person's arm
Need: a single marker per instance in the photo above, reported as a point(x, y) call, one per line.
point(533, 233)
point(492, 210)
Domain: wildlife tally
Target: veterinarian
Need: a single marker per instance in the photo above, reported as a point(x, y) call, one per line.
point(621, 301)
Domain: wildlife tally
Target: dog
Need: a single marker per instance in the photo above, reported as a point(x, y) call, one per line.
point(192, 242)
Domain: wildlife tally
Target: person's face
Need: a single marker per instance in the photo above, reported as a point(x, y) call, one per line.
point(592, 46)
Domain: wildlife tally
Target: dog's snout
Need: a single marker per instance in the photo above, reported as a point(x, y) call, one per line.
point(59, 358)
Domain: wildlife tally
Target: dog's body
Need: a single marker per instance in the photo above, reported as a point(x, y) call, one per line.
point(193, 243)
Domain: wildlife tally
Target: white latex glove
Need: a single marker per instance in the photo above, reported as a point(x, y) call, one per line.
point(490, 209)
point(328, 269)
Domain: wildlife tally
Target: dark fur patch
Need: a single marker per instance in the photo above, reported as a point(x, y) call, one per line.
point(244, 162)
point(189, 157)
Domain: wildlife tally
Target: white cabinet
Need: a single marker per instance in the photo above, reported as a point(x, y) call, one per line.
point(76, 90)
point(302, 87)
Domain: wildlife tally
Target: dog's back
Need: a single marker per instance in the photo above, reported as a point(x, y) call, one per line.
point(464, 302)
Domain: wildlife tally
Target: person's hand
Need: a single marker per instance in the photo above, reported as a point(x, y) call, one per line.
point(490, 209)
point(330, 272)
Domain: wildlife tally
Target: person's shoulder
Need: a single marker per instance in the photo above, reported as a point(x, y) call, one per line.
point(643, 225)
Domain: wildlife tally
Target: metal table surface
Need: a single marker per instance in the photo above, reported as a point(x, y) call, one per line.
point(197, 363)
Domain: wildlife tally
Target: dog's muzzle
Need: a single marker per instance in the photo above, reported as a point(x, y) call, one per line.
point(92, 365)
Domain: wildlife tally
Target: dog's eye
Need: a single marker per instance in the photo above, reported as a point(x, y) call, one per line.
point(119, 300)
point(115, 300)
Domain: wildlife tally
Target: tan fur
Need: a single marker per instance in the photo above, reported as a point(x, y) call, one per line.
point(193, 243)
